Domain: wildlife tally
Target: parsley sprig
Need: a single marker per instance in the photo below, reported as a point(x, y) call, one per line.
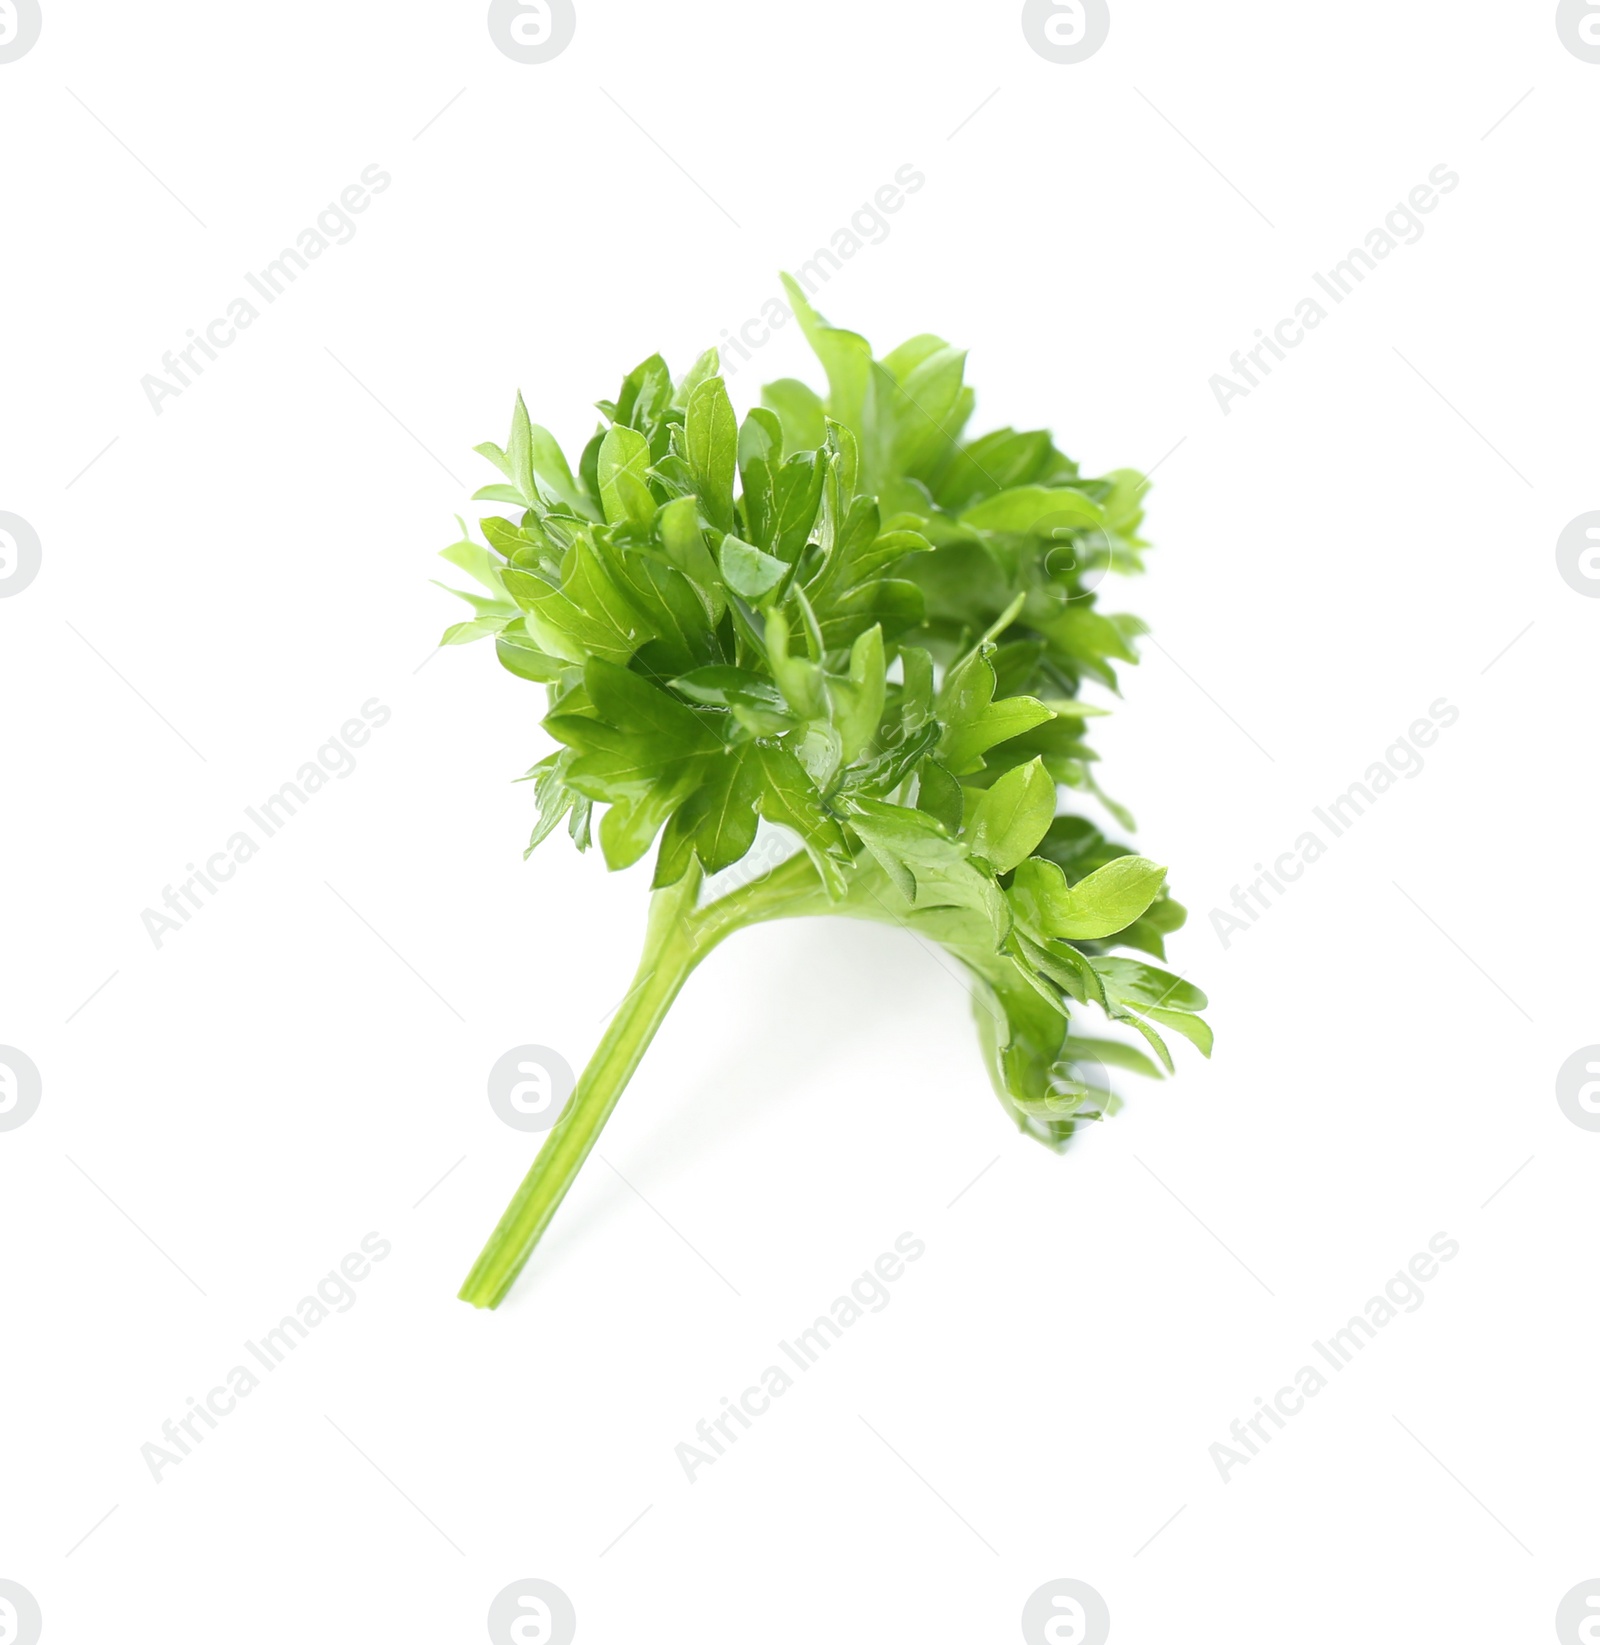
point(845, 618)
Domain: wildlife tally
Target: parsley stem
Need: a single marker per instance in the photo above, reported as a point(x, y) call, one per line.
point(678, 937)
point(671, 952)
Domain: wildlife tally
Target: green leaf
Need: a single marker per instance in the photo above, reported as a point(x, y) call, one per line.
point(761, 438)
point(508, 540)
point(893, 604)
point(902, 361)
point(1062, 964)
point(857, 703)
point(496, 456)
point(940, 795)
point(524, 659)
point(973, 722)
point(800, 411)
point(623, 470)
point(800, 681)
point(790, 798)
point(760, 446)
point(997, 462)
point(746, 570)
point(477, 562)
point(796, 496)
point(605, 625)
point(1113, 897)
point(845, 356)
point(1010, 819)
point(554, 798)
point(927, 399)
point(721, 685)
point(916, 696)
point(519, 451)
point(684, 541)
point(718, 821)
point(930, 869)
point(883, 845)
point(1034, 509)
point(630, 703)
point(555, 477)
point(711, 448)
point(1194, 1029)
point(1085, 636)
point(887, 771)
point(1101, 905)
point(632, 822)
point(705, 368)
point(1147, 1033)
point(645, 395)
point(1135, 983)
point(480, 628)
point(678, 617)
point(587, 575)
point(871, 559)
point(1112, 1053)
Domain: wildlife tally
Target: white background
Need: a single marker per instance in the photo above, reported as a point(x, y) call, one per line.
point(232, 579)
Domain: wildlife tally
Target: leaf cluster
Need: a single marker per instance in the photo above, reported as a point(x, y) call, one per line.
point(846, 617)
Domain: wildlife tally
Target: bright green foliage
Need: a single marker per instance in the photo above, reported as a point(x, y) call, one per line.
point(847, 618)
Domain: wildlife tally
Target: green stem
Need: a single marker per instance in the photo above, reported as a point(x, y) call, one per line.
point(678, 937)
